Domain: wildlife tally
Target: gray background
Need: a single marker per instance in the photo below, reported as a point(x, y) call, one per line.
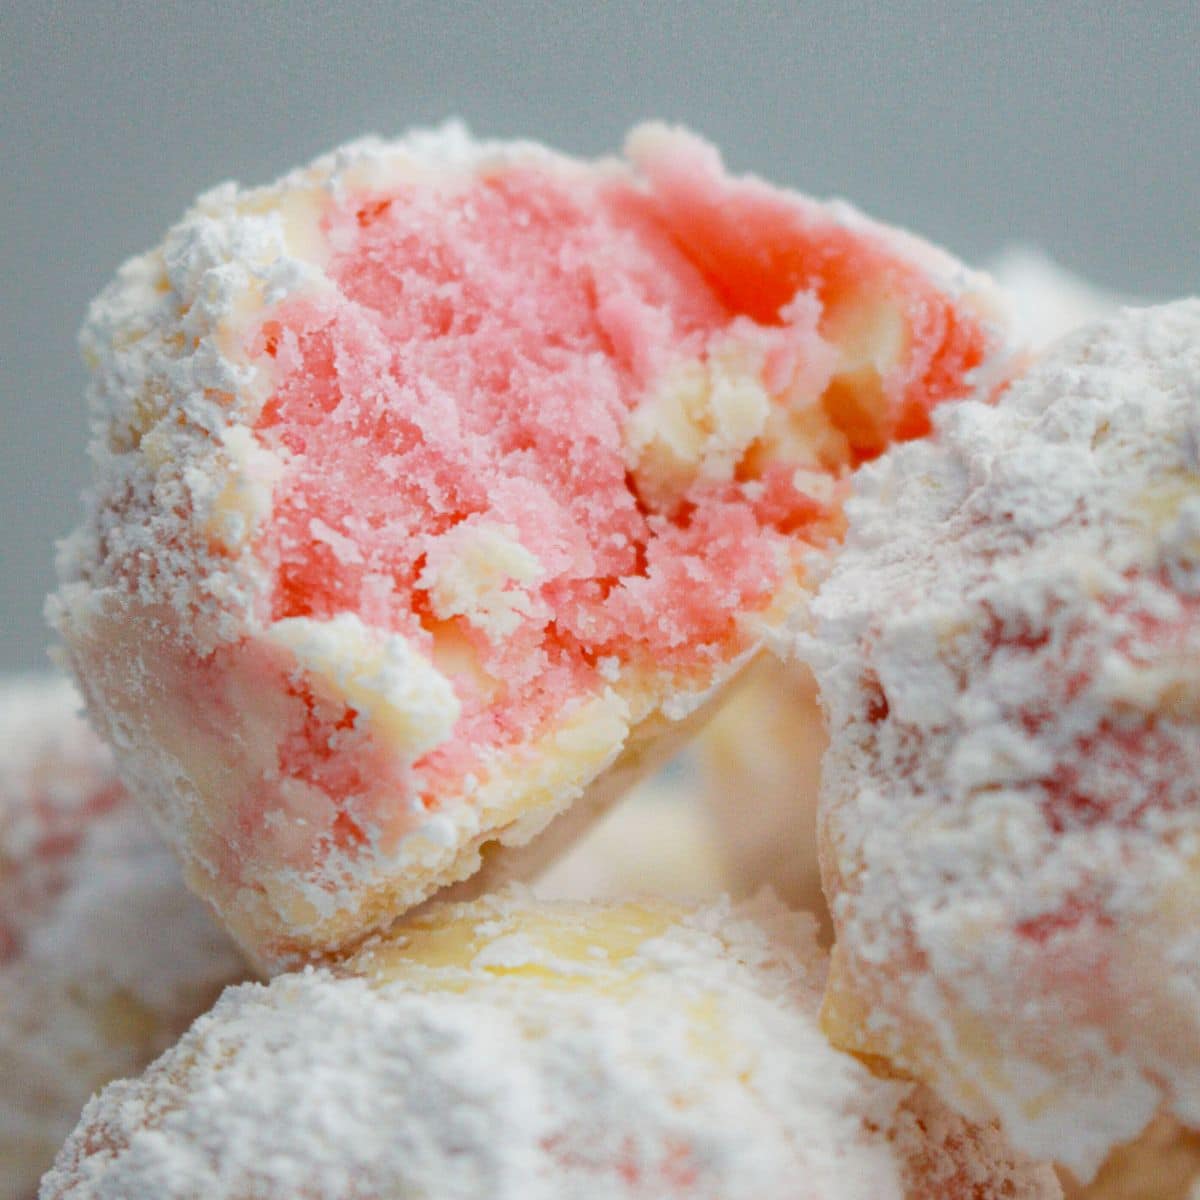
point(1076, 126)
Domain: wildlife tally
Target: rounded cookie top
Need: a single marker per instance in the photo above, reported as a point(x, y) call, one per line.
point(105, 957)
point(1009, 649)
point(513, 1048)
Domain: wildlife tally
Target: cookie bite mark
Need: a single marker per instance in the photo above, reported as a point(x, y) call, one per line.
point(897, 346)
point(494, 464)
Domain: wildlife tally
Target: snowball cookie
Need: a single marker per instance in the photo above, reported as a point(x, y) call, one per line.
point(520, 1050)
point(1008, 650)
point(760, 756)
point(105, 957)
point(438, 479)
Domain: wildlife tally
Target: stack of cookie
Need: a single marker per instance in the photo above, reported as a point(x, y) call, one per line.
point(441, 491)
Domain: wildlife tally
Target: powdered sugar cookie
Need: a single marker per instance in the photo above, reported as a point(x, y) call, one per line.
point(760, 756)
point(515, 1048)
point(1008, 650)
point(440, 480)
point(105, 957)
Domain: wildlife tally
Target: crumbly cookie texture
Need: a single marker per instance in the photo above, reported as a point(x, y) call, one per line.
point(519, 1048)
point(105, 957)
point(759, 758)
point(1008, 650)
point(441, 477)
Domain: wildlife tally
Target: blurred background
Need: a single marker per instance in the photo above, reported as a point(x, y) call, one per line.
point(1073, 126)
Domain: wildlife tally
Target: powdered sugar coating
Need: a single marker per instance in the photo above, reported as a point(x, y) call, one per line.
point(759, 758)
point(55, 777)
point(105, 957)
point(1008, 651)
point(440, 478)
point(517, 1049)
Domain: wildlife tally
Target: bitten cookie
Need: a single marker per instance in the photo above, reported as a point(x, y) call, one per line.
point(437, 482)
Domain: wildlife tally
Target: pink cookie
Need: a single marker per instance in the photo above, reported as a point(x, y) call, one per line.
point(1009, 654)
point(440, 477)
point(105, 957)
point(522, 1050)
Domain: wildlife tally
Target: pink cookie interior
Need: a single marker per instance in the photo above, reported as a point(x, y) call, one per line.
point(477, 363)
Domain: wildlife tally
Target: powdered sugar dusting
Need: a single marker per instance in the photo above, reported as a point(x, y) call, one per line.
point(54, 777)
point(371, 506)
point(104, 955)
point(526, 1050)
point(1008, 651)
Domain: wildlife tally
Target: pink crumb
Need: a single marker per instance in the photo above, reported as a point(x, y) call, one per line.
point(475, 367)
